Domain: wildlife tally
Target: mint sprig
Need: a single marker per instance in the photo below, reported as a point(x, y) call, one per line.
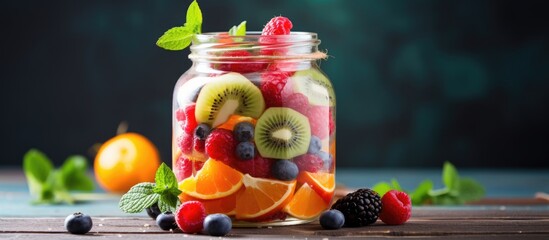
point(456, 190)
point(239, 30)
point(178, 38)
point(50, 185)
point(164, 192)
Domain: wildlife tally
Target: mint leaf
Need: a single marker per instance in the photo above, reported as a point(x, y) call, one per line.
point(446, 199)
point(167, 202)
point(438, 192)
point(194, 18)
point(239, 30)
point(139, 197)
point(421, 193)
point(176, 38)
point(38, 167)
point(450, 176)
point(396, 185)
point(382, 187)
point(470, 190)
point(72, 174)
point(165, 179)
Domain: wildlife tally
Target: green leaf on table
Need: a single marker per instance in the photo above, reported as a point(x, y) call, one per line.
point(72, 174)
point(382, 187)
point(396, 185)
point(421, 193)
point(165, 179)
point(167, 202)
point(139, 197)
point(239, 30)
point(176, 38)
point(450, 176)
point(446, 199)
point(470, 190)
point(194, 17)
point(38, 168)
point(438, 192)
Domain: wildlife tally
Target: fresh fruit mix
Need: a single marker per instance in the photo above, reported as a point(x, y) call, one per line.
point(254, 136)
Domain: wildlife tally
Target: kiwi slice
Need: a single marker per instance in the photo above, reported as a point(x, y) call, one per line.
point(225, 95)
point(282, 133)
point(314, 84)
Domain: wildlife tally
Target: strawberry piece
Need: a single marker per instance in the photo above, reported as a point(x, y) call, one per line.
point(319, 119)
point(278, 26)
point(298, 102)
point(309, 162)
point(240, 65)
point(221, 145)
point(397, 208)
point(258, 167)
point(184, 167)
point(186, 118)
point(190, 216)
point(272, 84)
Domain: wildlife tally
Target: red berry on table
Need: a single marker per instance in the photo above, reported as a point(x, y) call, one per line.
point(278, 26)
point(319, 119)
point(309, 162)
point(190, 216)
point(221, 145)
point(239, 62)
point(272, 84)
point(397, 208)
point(298, 102)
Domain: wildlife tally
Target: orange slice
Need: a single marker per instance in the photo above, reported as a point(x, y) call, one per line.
point(235, 119)
point(262, 197)
point(214, 180)
point(321, 182)
point(306, 203)
point(225, 205)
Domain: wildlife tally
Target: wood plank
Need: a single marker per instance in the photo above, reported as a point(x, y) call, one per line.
point(457, 223)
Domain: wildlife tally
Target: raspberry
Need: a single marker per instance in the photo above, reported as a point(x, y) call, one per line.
point(272, 84)
point(332, 123)
point(184, 167)
point(199, 145)
point(241, 65)
point(278, 26)
point(185, 143)
point(319, 119)
point(221, 145)
point(298, 102)
point(186, 118)
point(309, 162)
point(259, 167)
point(397, 208)
point(190, 216)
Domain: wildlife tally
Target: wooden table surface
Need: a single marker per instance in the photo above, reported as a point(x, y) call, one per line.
point(510, 211)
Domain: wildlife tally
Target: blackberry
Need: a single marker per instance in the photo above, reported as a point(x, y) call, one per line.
point(360, 208)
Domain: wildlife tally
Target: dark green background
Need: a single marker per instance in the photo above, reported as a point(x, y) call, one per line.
point(418, 81)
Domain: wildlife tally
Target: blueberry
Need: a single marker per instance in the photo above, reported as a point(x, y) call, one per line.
point(285, 170)
point(315, 145)
point(326, 159)
point(245, 151)
point(78, 223)
point(153, 211)
point(332, 219)
point(217, 224)
point(244, 131)
point(201, 131)
point(166, 221)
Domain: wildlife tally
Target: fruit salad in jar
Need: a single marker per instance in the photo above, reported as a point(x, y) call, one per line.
point(254, 126)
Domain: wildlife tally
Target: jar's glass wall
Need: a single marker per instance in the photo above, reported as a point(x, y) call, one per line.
point(254, 129)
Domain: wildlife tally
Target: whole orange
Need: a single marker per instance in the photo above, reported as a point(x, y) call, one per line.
point(124, 161)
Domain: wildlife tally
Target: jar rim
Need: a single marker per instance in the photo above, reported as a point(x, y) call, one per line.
point(251, 35)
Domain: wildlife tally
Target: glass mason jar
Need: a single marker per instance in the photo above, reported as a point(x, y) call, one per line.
point(254, 128)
